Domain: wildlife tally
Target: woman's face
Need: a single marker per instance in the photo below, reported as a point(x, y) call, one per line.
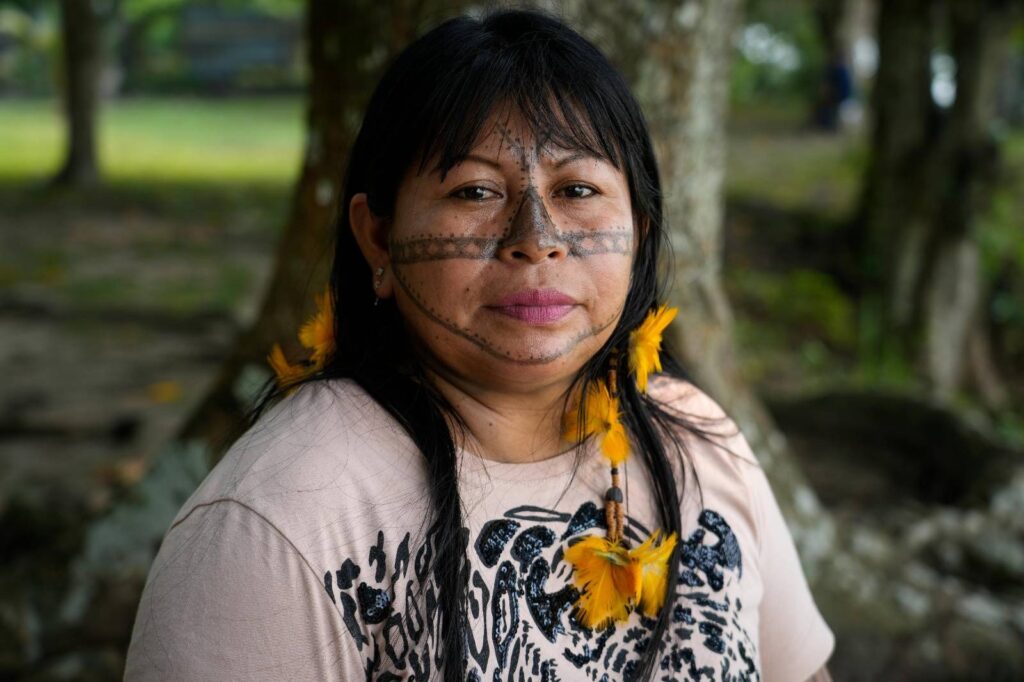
point(513, 271)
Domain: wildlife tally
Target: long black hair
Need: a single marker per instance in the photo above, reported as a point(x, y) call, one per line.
point(431, 104)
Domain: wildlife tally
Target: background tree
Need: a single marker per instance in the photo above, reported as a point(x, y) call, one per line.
point(929, 182)
point(81, 30)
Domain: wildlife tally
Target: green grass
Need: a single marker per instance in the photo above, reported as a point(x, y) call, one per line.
point(163, 140)
point(193, 196)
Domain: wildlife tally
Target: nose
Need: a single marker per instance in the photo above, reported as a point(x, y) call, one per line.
point(532, 235)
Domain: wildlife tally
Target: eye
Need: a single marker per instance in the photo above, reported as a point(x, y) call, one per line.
point(472, 193)
point(578, 191)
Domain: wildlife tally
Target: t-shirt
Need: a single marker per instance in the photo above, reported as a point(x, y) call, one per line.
point(305, 555)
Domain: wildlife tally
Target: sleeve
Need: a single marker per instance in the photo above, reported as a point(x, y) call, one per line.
point(230, 598)
point(795, 640)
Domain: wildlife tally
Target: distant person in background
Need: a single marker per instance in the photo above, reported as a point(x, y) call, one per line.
point(834, 93)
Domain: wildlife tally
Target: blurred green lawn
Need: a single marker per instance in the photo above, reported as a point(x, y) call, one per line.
point(177, 140)
point(194, 193)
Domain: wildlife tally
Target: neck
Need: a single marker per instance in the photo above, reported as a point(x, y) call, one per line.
point(507, 427)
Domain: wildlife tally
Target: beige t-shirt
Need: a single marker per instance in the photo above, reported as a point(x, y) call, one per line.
point(303, 556)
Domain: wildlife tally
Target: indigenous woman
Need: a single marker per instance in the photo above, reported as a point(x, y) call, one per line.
point(487, 467)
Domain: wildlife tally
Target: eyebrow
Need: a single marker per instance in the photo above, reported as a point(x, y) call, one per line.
point(565, 160)
point(576, 156)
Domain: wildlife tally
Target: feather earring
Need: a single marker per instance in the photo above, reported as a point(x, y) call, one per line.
point(613, 579)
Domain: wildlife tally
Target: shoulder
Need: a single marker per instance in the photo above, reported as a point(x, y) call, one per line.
point(198, 618)
point(724, 468)
point(327, 446)
point(708, 425)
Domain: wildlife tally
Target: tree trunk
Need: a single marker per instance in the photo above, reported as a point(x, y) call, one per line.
point(954, 279)
point(81, 36)
point(899, 197)
point(344, 40)
point(930, 178)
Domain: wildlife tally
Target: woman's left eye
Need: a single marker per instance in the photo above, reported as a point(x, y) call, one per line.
point(579, 191)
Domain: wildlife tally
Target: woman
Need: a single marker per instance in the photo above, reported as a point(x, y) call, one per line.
point(474, 476)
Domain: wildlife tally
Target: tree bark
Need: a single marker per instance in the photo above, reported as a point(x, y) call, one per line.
point(81, 58)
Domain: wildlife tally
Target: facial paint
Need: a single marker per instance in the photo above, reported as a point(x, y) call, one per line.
point(530, 220)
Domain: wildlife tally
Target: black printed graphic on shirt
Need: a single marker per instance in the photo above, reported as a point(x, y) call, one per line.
point(521, 589)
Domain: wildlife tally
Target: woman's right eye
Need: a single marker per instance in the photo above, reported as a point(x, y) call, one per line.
point(472, 193)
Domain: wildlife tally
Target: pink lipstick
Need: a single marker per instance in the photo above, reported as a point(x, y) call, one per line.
point(535, 306)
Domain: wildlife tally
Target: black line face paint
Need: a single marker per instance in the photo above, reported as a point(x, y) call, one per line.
point(496, 347)
point(418, 250)
point(454, 258)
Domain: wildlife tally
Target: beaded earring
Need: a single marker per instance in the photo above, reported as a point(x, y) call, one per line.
point(376, 284)
point(613, 579)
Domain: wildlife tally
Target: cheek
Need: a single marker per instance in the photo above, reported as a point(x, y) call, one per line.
point(610, 277)
point(446, 290)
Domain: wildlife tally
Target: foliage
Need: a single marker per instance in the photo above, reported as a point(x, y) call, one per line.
point(28, 64)
point(1002, 249)
point(805, 301)
point(145, 31)
point(779, 53)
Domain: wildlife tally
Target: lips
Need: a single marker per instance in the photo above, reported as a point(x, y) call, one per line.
point(535, 306)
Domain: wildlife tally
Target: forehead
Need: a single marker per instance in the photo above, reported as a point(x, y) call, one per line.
point(512, 132)
point(509, 135)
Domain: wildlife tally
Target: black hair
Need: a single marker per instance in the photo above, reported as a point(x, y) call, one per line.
point(431, 104)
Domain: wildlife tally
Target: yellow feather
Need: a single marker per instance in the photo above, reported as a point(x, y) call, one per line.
point(608, 579)
point(286, 372)
point(653, 561)
point(615, 444)
point(645, 344)
point(602, 420)
point(317, 333)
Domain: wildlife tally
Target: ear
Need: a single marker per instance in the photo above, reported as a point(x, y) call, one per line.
point(371, 233)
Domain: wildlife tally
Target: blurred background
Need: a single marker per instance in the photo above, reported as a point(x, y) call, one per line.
point(844, 183)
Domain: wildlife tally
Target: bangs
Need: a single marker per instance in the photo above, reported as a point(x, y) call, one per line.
point(562, 104)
